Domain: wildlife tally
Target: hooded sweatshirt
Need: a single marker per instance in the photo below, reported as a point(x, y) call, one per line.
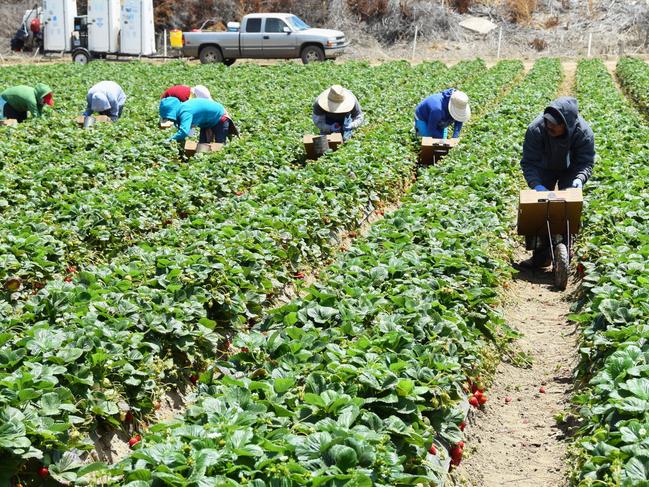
point(105, 96)
point(197, 112)
point(573, 153)
point(434, 112)
point(27, 99)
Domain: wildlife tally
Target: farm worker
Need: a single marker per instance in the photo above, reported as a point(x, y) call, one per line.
point(435, 113)
point(208, 115)
point(336, 110)
point(184, 92)
point(106, 98)
point(559, 150)
point(15, 102)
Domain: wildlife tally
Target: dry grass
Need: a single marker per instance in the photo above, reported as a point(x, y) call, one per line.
point(551, 22)
point(539, 44)
point(368, 9)
point(521, 10)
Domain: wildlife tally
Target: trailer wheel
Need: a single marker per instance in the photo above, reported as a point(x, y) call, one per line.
point(561, 266)
point(81, 56)
point(210, 54)
point(312, 54)
point(229, 62)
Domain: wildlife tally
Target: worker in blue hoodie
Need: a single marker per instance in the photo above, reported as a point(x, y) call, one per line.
point(435, 113)
point(106, 98)
point(209, 116)
point(558, 152)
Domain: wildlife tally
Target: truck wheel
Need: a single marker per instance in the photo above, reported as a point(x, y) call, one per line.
point(311, 54)
point(81, 56)
point(210, 54)
point(229, 62)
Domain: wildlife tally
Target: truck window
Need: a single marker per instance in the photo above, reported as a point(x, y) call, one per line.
point(274, 25)
point(253, 25)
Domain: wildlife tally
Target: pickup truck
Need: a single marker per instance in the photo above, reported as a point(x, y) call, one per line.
point(265, 36)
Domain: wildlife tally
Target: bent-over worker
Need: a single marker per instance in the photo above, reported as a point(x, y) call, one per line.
point(435, 113)
point(559, 151)
point(212, 119)
point(336, 110)
point(106, 98)
point(17, 101)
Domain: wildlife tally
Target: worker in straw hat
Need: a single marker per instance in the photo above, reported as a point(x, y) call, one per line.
point(435, 113)
point(336, 110)
point(106, 98)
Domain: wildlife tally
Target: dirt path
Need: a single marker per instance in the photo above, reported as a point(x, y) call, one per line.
point(516, 440)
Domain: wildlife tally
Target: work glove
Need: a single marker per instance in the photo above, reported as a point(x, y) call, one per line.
point(347, 124)
point(335, 127)
point(540, 187)
point(577, 183)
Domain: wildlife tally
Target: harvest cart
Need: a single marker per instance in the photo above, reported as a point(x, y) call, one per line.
point(432, 150)
point(8, 122)
point(551, 219)
point(333, 140)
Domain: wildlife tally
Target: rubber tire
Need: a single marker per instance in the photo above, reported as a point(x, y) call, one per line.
point(210, 55)
point(81, 56)
point(312, 53)
point(561, 266)
point(229, 61)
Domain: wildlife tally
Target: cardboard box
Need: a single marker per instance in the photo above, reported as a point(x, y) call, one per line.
point(537, 207)
point(8, 122)
point(166, 124)
point(192, 147)
point(334, 140)
point(98, 119)
point(432, 150)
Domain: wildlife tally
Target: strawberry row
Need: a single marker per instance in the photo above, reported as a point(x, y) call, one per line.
point(358, 382)
point(614, 366)
point(633, 74)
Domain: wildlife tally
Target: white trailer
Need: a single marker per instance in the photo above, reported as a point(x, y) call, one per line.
point(103, 25)
point(58, 24)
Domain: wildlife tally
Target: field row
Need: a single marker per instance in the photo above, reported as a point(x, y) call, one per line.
point(634, 77)
point(613, 310)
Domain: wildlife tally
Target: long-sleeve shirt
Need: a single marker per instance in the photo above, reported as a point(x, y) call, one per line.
point(197, 112)
point(182, 92)
point(112, 92)
point(434, 112)
point(24, 98)
point(323, 119)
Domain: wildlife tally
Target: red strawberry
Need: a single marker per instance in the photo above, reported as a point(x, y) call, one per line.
point(456, 455)
point(474, 402)
point(482, 399)
point(193, 378)
point(238, 193)
point(542, 390)
point(72, 269)
point(432, 450)
point(460, 444)
point(134, 441)
point(299, 275)
point(129, 417)
point(581, 271)
point(462, 425)
point(67, 279)
point(474, 387)
point(157, 405)
point(245, 349)
point(43, 472)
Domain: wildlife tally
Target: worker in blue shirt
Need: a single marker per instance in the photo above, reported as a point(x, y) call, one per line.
point(209, 116)
point(105, 98)
point(435, 113)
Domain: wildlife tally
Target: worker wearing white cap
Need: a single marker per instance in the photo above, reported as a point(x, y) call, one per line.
point(200, 91)
point(105, 98)
point(336, 110)
point(435, 113)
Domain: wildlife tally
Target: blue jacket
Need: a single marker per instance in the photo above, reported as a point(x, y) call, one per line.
point(573, 153)
point(434, 111)
point(105, 95)
point(197, 112)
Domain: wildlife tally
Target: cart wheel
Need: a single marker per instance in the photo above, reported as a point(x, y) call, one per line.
point(81, 56)
point(561, 263)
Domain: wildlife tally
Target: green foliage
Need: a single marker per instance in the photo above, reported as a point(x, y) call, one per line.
point(633, 74)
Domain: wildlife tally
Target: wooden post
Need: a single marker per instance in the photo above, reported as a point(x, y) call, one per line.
point(500, 39)
point(164, 49)
point(590, 42)
point(414, 44)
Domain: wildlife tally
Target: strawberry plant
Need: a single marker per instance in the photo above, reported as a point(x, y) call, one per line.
point(633, 74)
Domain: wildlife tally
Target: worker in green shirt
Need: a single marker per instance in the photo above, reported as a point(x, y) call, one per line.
point(16, 101)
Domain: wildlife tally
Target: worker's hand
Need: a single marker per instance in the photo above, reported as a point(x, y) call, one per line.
point(577, 183)
point(335, 126)
point(540, 187)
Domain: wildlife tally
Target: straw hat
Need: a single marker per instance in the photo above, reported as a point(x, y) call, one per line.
point(458, 106)
point(336, 99)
